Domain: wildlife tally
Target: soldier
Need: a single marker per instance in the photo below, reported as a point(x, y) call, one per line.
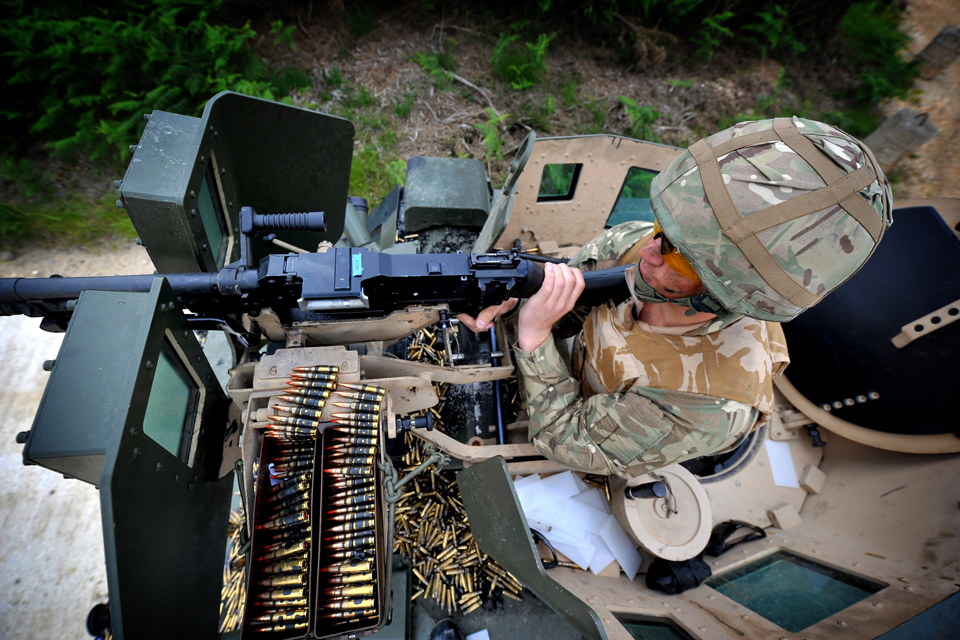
point(753, 225)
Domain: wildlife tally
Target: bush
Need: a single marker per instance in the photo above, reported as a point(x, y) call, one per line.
point(81, 78)
point(876, 47)
point(522, 64)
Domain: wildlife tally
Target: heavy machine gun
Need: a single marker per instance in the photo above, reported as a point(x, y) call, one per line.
point(340, 283)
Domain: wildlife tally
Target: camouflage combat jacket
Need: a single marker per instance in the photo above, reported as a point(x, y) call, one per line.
point(646, 397)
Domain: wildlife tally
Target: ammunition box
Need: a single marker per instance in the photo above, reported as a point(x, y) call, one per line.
point(326, 591)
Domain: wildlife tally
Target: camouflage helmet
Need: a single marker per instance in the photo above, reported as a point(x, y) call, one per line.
point(773, 214)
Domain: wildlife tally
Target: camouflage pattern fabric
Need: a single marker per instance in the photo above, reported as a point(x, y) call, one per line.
point(818, 251)
point(630, 429)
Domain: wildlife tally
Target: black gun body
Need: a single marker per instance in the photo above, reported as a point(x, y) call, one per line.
point(341, 283)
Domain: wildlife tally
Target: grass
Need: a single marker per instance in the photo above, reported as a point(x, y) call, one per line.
point(75, 221)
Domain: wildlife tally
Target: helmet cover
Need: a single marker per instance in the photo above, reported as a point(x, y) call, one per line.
point(773, 214)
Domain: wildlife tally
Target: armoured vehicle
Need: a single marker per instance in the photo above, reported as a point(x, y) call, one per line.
point(848, 494)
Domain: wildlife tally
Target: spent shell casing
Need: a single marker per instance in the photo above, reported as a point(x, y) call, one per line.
point(350, 471)
point(339, 437)
point(367, 407)
point(285, 521)
point(350, 603)
point(293, 603)
point(326, 385)
point(349, 578)
point(314, 375)
point(281, 628)
point(352, 460)
point(362, 498)
point(318, 368)
point(359, 395)
point(366, 540)
point(304, 401)
point(299, 412)
point(308, 393)
point(347, 517)
point(285, 595)
point(296, 423)
point(287, 566)
point(356, 525)
point(284, 550)
point(350, 483)
point(351, 615)
point(352, 590)
point(289, 580)
point(285, 617)
point(367, 388)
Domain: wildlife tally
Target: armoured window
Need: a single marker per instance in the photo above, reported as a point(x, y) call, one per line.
point(172, 406)
point(211, 215)
point(791, 591)
point(650, 628)
point(558, 182)
point(633, 203)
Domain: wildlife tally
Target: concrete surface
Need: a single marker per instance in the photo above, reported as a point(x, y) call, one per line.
point(51, 544)
point(51, 541)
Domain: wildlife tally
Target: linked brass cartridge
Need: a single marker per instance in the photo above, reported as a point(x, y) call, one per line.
point(305, 400)
point(353, 590)
point(356, 525)
point(359, 395)
point(313, 375)
point(348, 567)
point(363, 407)
point(350, 603)
point(313, 384)
point(365, 388)
point(284, 550)
point(291, 580)
point(349, 578)
point(285, 521)
point(317, 369)
point(299, 412)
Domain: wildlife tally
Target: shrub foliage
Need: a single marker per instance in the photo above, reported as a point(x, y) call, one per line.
point(81, 76)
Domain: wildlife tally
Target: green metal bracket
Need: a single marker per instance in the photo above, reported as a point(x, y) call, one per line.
point(501, 530)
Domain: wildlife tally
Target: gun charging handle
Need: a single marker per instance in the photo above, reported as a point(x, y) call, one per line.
point(251, 222)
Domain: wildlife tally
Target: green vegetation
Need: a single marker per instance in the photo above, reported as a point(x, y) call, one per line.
point(491, 134)
point(522, 64)
point(641, 117)
point(81, 80)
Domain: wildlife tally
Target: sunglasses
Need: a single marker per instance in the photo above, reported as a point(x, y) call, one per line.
point(672, 256)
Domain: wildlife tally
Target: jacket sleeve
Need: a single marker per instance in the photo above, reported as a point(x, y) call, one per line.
point(626, 434)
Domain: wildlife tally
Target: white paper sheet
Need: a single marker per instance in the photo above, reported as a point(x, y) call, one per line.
point(781, 464)
point(622, 547)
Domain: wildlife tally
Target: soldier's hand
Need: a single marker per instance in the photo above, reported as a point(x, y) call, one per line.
point(485, 318)
point(558, 294)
